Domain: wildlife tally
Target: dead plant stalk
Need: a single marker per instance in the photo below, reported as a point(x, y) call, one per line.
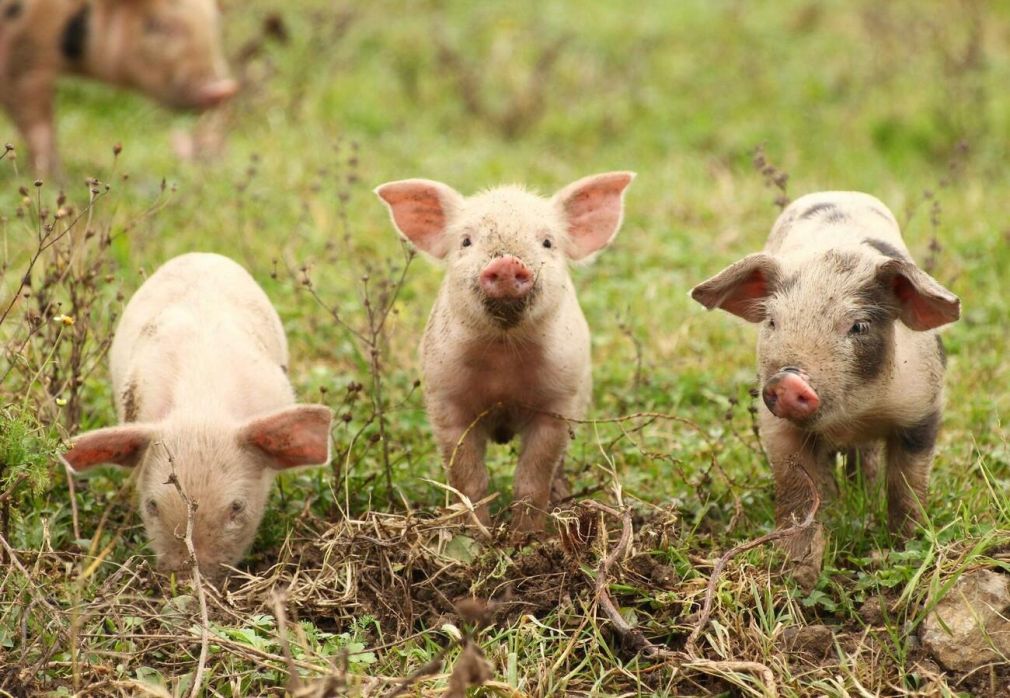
point(191, 506)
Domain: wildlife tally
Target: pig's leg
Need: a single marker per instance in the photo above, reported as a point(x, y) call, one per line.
point(545, 439)
point(31, 106)
point(561, 488)
point(462, 445)
point(909, 459)
point(798, 461)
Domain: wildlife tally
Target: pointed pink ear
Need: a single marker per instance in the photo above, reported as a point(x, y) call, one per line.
point(742, 287)
point(294, 436)
point(593, 208)
point(122, 445)
point(925, 304)
point(421, 209)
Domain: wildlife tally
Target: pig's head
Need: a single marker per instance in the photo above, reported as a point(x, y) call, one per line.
point(168, 49)
point(227, 471)
point(506, 249)
point(827, 328)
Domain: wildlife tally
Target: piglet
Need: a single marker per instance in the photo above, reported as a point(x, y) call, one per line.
point(848, 355)
point(506, 348)
point(168, 49)
point(199, 372)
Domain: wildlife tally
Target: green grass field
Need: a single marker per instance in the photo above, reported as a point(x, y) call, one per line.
point(906, 100)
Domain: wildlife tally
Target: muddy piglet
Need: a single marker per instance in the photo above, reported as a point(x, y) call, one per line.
point(168, 49)
point(848, 355)
point(199, 372)
point(506, 348)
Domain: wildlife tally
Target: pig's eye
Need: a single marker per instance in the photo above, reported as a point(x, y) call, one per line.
point(859, 328)
point(548, 244)
point(466, 241)
point(152, 507)
point(771, 324)
point(237, 507)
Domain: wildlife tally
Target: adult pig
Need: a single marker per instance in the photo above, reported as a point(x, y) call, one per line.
point(848, 355)
point(199, 372)
point(168, 49)
point(506, 349)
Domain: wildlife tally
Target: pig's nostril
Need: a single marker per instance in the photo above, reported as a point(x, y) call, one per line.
point(770, 397)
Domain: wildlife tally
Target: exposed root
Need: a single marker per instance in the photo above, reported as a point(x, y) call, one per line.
point(720, 565)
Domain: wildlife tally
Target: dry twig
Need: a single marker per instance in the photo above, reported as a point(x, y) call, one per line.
point(191, 506)
point(720, 565)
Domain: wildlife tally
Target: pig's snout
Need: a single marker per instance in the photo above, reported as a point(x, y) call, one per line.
point(506, 278)
point(788, 395)
point(214, 93)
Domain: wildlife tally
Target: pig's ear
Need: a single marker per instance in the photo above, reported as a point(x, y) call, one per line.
point(292, 437)
point(742, 287)
point(592, 209)
point(123, 446)
point(421, 210)
point(925, 304)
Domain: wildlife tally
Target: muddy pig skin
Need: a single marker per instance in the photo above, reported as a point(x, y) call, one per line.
point(848, 355)
point(199, 373)
point(169, 50)
point(506, 348)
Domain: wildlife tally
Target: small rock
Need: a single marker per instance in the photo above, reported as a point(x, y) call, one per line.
point(815, 641)
point(969, 627)
point(873, 610)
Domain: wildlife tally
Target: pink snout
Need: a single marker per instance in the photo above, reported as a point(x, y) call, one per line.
point(215, 93)
point(506, 277)
point(788, 395)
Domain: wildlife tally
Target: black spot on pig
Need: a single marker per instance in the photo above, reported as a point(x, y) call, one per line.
point(131, 403)
point(941, 351)
point(921, 436)
point(12, 11)
point(885, 248)
point(836, 216)
point(817, 209)
point(75, 35)
point(872, 351)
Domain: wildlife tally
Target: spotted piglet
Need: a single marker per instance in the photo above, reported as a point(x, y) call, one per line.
point(167, 49)
point(506, 349)
point(199, 369)
point(848, 355)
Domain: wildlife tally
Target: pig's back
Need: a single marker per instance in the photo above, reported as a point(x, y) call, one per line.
point(196, 311)
point(831, 220)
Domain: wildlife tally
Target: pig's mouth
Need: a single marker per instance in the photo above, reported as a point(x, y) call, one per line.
point(506, 313)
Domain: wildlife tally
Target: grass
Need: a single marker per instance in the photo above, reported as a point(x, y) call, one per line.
point(899, 99)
